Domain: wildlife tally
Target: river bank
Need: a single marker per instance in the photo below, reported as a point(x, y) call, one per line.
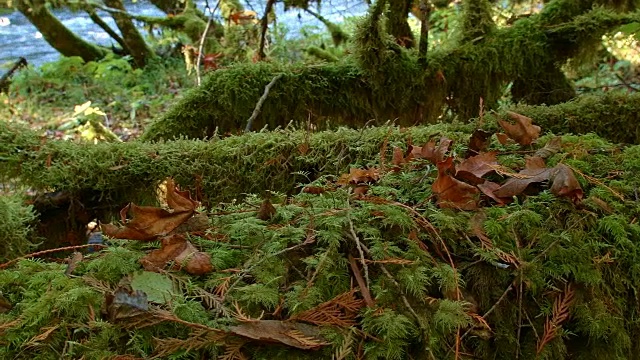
point(22, 39)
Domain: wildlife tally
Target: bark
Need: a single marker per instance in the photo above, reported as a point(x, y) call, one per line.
point(58, 35)
point(169, 6)
point(98, 21)
point(134, 42)
point(398, 25)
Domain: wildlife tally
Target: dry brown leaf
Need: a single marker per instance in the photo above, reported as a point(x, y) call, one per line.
point(478, 142)
point(488, 188)
point(291, 333)
point(177, 248)
point(565, 184)
point(359, 176)
point(550, 148)
point(451, 192)
point(266, 211)
point(360, 189)
point(315, 190)
point(502, 138)
point(535, 171)
point(523, 131)
point(72, 262)
point(475, 167)
point(5, 305)
point(435, 154)
point(398, 158)
point(148, 223)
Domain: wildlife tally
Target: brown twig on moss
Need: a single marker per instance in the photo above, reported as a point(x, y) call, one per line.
point(50, 251)
point(561, 312)
point(341, 311)
point(355, 238)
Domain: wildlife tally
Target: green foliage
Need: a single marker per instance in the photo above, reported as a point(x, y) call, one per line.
point(128, 96)
point(393, 329)
point(16, 227)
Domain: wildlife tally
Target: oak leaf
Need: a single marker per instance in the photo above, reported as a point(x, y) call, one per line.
point(523, 131)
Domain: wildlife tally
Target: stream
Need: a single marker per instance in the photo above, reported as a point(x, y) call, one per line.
point(19, 38)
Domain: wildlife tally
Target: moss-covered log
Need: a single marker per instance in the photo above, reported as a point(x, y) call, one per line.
point(539, 278)
point(223, 168)
point(615, 116)
point(278, 161)
point(384, 81)
point(16, 227)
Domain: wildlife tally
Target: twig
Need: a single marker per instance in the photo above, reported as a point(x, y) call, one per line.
point(263, 32)
point(258, 107)
point(354, 237)
point(202, 39)
point(596, 181)
point(18, 64)
point(624, 82)
point(364, 288)
point(200, 47)
point(519, 317)
point(50, 251)
point(504, 294)
point(98, 21)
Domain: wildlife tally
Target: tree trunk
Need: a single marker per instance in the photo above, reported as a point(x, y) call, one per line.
point(136, 46)
point(398, 25)
point(56, 34)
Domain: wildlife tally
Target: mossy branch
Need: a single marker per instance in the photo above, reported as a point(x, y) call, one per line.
point(383, 81)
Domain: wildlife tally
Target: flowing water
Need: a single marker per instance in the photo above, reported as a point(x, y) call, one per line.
point(18, 38)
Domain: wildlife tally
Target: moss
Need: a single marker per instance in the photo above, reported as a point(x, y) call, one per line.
point(534, 247)
point(382, 80)
point(613, 115)
point(16, 227)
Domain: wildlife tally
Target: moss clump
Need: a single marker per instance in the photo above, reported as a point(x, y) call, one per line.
point(16, 227)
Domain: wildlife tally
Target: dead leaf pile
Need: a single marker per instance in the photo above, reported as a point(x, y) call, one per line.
point(462, 183)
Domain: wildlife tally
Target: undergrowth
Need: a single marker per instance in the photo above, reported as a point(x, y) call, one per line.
point(540, 278)
point(130, 97)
